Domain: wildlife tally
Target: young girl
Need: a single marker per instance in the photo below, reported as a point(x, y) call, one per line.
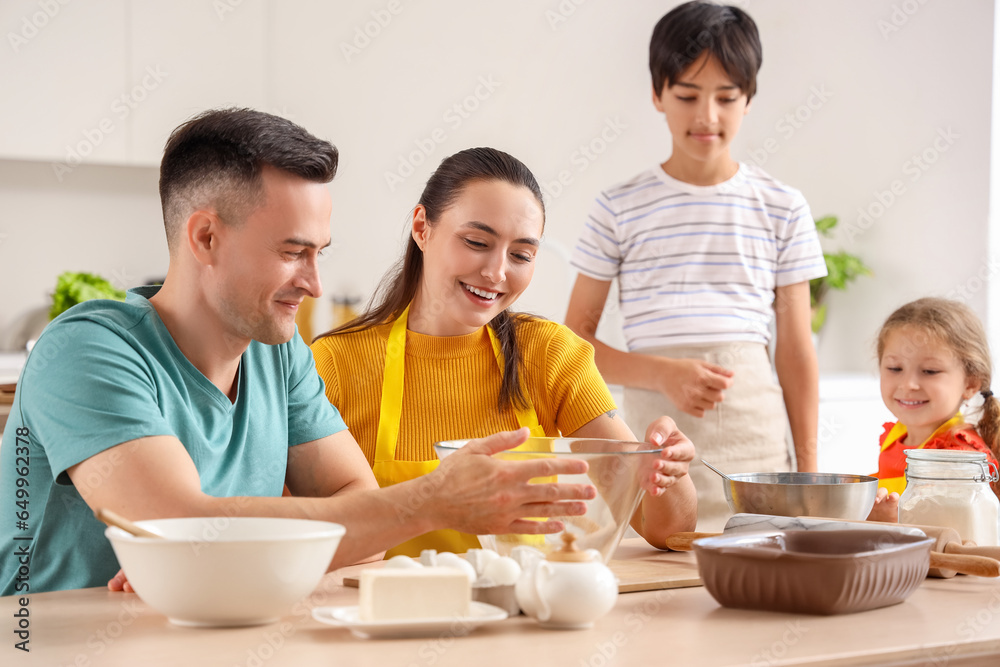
point(441, 320)
point(933, 357)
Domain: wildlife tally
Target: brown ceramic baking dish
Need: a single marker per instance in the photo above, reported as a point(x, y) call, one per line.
point(813, 572)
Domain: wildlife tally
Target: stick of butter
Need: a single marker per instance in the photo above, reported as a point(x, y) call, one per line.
point(430, 592)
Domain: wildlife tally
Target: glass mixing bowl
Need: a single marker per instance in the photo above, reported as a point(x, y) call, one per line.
point(615, 468)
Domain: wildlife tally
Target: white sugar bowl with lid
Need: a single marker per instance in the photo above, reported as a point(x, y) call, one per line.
point(951, 488)
point(568, 590)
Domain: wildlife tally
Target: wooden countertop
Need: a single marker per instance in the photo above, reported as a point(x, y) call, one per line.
point(945, 622)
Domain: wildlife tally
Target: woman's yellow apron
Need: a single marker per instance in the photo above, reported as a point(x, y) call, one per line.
point(389, 471)
point(895, 434)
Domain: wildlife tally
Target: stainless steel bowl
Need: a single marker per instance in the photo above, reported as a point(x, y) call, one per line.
point(833, 495)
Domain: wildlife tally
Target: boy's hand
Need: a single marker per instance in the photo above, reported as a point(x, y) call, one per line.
point(694, 385)
point(675, 456)
point(886, 507)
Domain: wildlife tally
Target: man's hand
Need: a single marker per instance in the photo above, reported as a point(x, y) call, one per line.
point(119, 583)
point(676, 454)
point(475, 493)
point(694, 385)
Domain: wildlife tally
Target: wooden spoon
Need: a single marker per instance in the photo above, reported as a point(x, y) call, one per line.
point(118, 521)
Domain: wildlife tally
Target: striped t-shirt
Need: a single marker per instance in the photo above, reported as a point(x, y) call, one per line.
point(699, 264)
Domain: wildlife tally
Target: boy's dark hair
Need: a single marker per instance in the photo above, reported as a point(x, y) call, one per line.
point(216, 159)
point(688, 30)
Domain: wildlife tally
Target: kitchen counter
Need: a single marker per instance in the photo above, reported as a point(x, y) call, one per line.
point(945, 622)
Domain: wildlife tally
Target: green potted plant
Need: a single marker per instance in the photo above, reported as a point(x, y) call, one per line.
point(842, 268)
point(73, 288)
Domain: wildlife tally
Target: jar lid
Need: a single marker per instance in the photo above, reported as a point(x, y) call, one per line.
point(945, 455)
point(954, 465)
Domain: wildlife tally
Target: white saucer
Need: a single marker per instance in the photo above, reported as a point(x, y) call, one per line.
point(350, 617)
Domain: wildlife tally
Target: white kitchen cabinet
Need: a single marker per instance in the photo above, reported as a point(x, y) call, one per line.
point(105, 83)
point(62, 69)
point(192, 55)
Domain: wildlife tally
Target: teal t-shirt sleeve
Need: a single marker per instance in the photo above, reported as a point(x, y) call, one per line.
point(90, 390)
point(310, 414)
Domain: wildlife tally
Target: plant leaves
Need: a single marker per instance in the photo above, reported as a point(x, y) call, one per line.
point(73, 288)
point(826, 224)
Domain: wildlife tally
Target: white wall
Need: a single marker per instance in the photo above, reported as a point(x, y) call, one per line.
point(557, 85)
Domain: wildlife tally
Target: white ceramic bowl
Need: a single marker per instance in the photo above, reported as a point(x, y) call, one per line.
point(226, 571)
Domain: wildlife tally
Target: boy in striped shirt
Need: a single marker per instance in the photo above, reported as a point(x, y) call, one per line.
point(706, 251)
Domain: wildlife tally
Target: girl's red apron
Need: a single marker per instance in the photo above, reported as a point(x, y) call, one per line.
point(891, 463)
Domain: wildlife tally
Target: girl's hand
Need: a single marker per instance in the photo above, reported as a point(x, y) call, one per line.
point(886, 507)
point(676, 454)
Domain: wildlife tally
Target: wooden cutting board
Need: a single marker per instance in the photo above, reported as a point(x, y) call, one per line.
point(653, 574)
point(638, 574)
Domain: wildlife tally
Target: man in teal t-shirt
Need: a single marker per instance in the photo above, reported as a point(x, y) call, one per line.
point(198, 399)
point(129, 381)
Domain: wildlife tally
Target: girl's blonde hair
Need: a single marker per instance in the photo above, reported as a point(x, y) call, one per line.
point(955, 325)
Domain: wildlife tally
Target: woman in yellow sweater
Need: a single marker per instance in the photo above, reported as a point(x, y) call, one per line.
point(441, 320)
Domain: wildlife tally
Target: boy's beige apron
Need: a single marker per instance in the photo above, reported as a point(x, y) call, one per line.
point(744, 433)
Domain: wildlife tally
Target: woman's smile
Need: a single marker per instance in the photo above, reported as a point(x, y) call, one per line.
point(480, 295)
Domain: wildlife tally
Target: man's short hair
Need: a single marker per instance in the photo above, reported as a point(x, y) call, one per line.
point(215, 161)
point(688, 30)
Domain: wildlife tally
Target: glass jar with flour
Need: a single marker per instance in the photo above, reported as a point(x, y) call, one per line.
point(952, 489)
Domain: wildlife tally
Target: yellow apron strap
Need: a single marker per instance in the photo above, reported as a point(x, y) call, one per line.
point(389, 471)
point(944, 428)
point(391, 409)
point(895, 433)
point(898, 431)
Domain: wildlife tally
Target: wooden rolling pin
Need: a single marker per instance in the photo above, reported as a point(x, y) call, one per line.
point(947, 541)
point(943, 564)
